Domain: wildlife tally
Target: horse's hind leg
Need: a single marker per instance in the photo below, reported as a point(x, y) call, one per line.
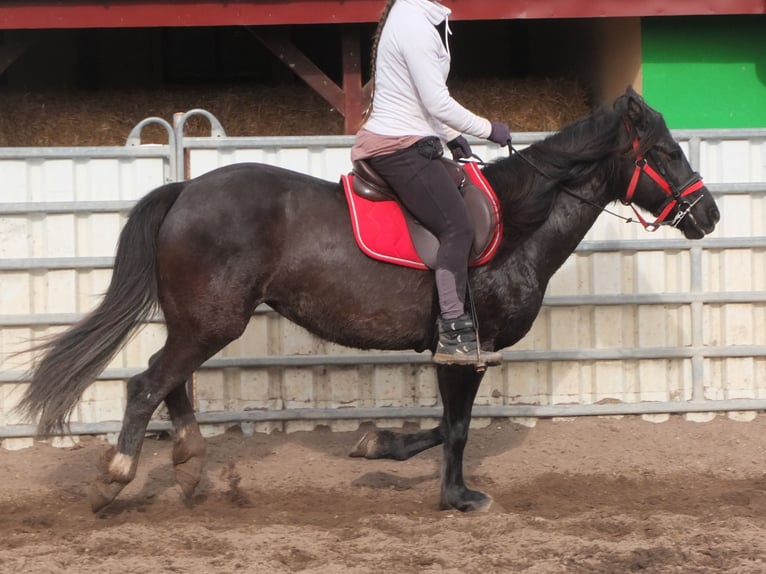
point(172, 367)
point(189, 445)
point(117, 466)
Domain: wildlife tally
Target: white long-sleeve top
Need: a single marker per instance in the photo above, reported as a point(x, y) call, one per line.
point(411, 95)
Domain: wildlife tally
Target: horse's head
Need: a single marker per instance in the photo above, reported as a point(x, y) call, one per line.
point(660, 178)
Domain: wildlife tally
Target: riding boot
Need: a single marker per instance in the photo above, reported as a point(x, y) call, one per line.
point(458, 346)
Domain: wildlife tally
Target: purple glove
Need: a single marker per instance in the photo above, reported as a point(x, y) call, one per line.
point(460, 148)
point(500, 134)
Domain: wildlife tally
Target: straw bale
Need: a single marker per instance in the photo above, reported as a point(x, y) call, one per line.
point(105, 117)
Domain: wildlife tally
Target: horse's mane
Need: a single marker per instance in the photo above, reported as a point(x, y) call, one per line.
point(586, 150)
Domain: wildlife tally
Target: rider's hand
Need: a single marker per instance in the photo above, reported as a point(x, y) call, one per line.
point(500, 134)
point(460, 148)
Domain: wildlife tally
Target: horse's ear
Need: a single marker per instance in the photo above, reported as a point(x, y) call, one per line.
point(631, 105)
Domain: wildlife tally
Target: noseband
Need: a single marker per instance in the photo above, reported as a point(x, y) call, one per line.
point(676, 194)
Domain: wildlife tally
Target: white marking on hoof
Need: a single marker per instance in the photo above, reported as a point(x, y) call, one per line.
point(365, 445)
point(120, 466)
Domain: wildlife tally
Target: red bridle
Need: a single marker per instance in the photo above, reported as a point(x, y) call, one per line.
point(675, 195)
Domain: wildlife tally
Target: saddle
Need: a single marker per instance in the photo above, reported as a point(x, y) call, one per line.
point(482, 205)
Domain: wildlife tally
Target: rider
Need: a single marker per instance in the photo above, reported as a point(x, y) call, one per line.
point(410, 115)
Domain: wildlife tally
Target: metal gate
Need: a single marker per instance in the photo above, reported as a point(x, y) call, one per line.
point(633, 323)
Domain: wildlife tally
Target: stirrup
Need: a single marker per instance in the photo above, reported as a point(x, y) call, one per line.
point(481, 359)
point(458, 345)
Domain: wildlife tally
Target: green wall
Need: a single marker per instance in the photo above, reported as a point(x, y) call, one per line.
point(706, 71)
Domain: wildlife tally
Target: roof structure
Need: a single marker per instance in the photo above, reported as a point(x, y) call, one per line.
point(46, 14)
point(270, 19)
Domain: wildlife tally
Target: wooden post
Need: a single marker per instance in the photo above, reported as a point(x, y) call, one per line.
point(357, 95)
point(351, 100)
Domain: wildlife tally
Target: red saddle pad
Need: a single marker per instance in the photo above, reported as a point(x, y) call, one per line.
point(381, 231)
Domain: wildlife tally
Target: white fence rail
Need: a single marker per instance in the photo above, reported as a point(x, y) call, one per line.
point(632, 323)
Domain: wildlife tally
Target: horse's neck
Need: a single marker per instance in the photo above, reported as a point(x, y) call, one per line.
point(549, 246)
point(570, 219)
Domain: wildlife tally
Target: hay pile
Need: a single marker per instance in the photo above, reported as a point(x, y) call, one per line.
point(106, 117)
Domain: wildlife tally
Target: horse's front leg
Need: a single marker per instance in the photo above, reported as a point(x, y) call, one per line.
point(458, 386)
point(396, 445)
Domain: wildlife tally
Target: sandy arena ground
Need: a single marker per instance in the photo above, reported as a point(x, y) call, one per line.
point(584, 495)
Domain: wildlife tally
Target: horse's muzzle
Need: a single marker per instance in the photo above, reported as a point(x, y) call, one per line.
point(699, 220)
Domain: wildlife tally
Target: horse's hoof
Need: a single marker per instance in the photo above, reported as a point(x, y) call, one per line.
point(188, 474)
point(101, 494)
point(471, 501)
point(488, 505)
point(366, 446)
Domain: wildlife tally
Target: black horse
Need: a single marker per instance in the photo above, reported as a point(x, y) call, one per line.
point(209, 250)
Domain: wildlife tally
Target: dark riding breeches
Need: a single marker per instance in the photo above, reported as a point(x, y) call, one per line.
point(426, 189)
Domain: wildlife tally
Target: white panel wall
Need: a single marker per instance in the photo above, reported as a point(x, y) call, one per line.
point(736, 324)
point(55, 259)
point(672, 316)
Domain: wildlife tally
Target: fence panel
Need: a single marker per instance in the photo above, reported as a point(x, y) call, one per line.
point(61, 214)
point(632, 323)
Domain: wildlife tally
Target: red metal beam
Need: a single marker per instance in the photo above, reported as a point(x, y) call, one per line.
point(352, 80)
point(349, 100)
point(278, 42)
point(21, 14)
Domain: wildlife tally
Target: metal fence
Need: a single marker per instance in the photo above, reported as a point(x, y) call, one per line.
point(633, 323)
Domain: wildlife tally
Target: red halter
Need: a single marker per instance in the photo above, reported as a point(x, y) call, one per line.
point(675, 195)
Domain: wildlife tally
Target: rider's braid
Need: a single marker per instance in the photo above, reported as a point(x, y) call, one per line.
point(374, 51)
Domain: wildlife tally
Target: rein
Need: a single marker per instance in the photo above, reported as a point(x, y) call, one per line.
point(569, 191)
point(675, 194)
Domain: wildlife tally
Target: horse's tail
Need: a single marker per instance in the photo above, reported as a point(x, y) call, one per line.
point(72, 359)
